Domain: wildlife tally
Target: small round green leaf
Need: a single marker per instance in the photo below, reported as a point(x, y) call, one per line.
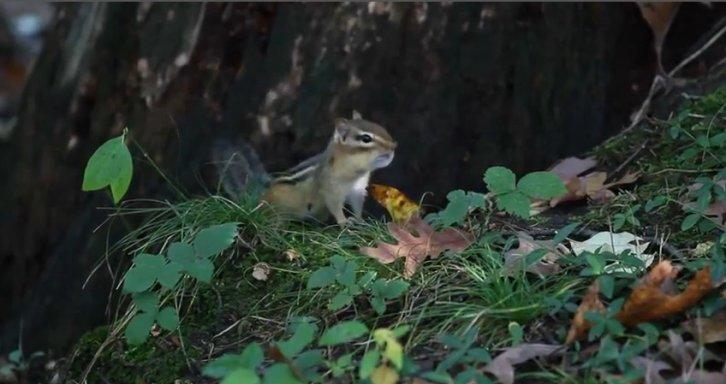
point(322, 277)
point(181, 253)
point(168, 318)
point(139, 279)
point(541, 185)
point(343, 332)
point(515, 203)
point(499, 180)
point(241, 376)
point(147, 301)
point(138, 329)
point(201, 269)
point(340, 300)
point(215, 239)
point(169, 275)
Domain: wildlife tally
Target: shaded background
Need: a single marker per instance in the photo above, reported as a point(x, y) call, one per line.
point(461, 86)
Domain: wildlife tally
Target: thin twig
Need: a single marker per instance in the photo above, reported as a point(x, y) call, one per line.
point(698, 52)
point(630, 158)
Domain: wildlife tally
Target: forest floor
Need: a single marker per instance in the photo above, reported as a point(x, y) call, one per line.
point(302, 303)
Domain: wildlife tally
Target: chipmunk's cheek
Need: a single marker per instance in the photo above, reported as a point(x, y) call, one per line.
point(383, 160)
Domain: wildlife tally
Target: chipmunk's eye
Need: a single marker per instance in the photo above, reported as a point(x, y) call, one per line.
point(366, 138)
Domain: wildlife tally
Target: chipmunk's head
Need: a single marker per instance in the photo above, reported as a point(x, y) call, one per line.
point(367, 143)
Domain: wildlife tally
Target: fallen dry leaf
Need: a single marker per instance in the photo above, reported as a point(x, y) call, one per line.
point(653, 298)
point(616, 243)
point(590, 303)
point(502, 366)
point(659, 17)
point(544, 267)
point(648, 302)
point(716, 209)
point(398, 205)
point(261, 271)
point(571, 167)
point(414, 248)
point(708, 330)
point(593, 186)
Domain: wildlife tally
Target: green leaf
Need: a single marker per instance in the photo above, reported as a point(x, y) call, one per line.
point(241, 376)
point(378, 304)
point(303, 335)
point(147, 301)
point(110, 165)
point(541, 185)
point(460, 203)
point(607, 285)
point(515, 203)
point(340, 300)
point(655, 203)
point(250, 358)
point(392, 289)
point(515, 332)
point(343, 332)
point(139, 279)
point(690, 221)
point(15, 356)
point(201, 269)
point(181, 253)
point(169, 275)
point(368, 363)
point(596, 262)
point(137, 331)
point(499, 180)
point(280, 374)
point(564, 232)
point(346, 275)
point(215, 239)
point(321, 278)
point(168, 319)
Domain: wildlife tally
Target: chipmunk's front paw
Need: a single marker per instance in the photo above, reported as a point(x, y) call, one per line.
point(349, 222)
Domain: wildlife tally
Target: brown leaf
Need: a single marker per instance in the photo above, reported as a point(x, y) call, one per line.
point(659, 17)
point(414, 248)
point(708, 330)
point(648, 301)
point(593, 186)
point(502, 366)
point(514, 258)
point(571, 167)
point(590, 303)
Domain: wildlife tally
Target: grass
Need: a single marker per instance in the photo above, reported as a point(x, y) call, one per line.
point(450, 294)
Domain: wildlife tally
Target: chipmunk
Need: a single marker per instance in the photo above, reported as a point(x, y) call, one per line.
point(321, 185)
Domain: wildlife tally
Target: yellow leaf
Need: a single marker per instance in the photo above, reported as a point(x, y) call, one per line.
point(384, 375)
point(393, 350)
point(398, 205)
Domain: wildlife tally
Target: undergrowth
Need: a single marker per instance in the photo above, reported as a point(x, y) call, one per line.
point(294, 302)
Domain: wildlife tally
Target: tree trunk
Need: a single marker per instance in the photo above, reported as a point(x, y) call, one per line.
point(461, 87)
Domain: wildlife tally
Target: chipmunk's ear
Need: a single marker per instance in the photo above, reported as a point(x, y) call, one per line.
point(356, 115)
point(342, 129)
